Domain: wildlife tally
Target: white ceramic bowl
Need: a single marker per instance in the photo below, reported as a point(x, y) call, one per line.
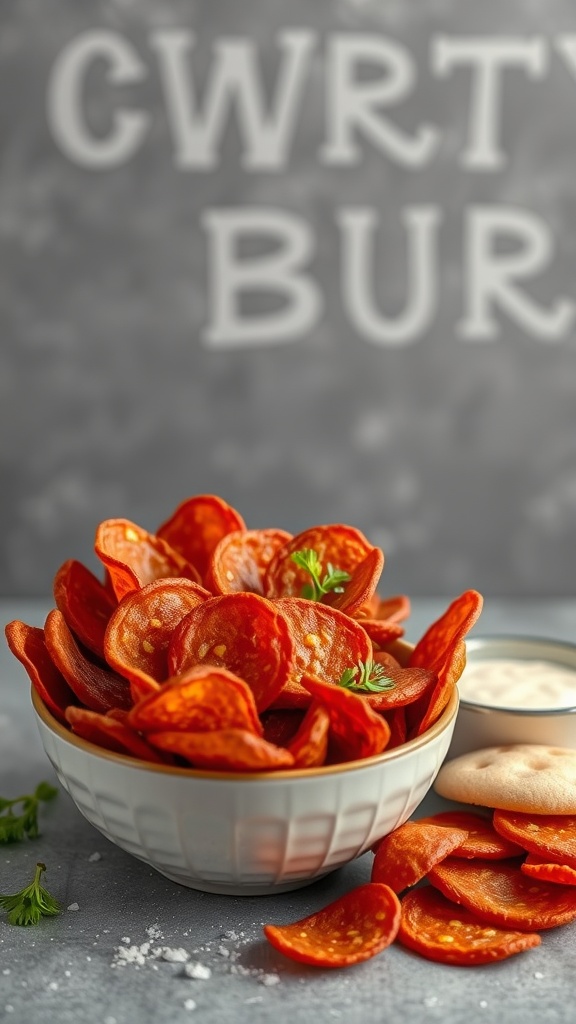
point(238, 833)
point(484, 725)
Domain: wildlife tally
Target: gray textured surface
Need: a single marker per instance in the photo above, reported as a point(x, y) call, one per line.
point(60, 972)
point(457, 456)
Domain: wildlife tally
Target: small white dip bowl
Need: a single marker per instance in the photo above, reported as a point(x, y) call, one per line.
point(483, 724)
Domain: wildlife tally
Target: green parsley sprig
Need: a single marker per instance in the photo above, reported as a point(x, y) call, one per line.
point(31, 903)
point(331, 582)
point(19, 816)
point(366, 677)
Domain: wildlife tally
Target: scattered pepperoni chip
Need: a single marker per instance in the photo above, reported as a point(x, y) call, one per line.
point(437, 929)
point(405, 856)
point(548, 871)
point(240, 559)
point(242, 632)
point(140, 629)
point(356, 731)
point(326, 641)
point(343, 547)
point(353, 928)
point(235, 750)
point(28, 644)
point(96, 687)
point(197, 525)
point(500, 894)
point(85, 603)
point(546, 835)
point(309, 746)
point(482, 839)
point(203, 698)
point(110, 732)
point(361, 586)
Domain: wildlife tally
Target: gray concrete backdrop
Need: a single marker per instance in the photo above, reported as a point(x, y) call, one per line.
point(122, 388)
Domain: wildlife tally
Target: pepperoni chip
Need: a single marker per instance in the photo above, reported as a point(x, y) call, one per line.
point(326, 641)
point(85, 603)
point(356, 731)
point(434, 927)
point(502, 895)
point(482, 839)
point(201, 699)
point(548, 871)
point(353, 928)
point(240, 559)
point(224, 750)
point(361, 586)
point(139, 631)
point(197, 525)
point(433, 650)
point(405, 856)
point(396, 608)
point(280, 726)
point(242, 632)
point(547, 835)
point(408, 685)
point(342, 546)
point(310, 744)
point(397, 721)
point(94, 686)
point(27, 643)
point(111, 733)
point(133, 557)
point(382, 631)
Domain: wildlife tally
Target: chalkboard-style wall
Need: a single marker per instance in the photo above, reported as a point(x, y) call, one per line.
point(317, 258)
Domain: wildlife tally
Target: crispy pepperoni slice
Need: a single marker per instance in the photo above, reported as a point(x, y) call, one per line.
point(111, 733)
point(546, 835)
point(139, 631)
point(356, 731)
point(309, 746)
point(342, 546)
point(482, 839)
point(326, 641)
point(27, 643)
point(409, 685)
point(435, 647)
point(85, 603)
point(437, 929)
point(382, 631)
point(133, 557)
point(361, 586)
point(240, 559)
point(242, 632)
point(224, 750)
point(201, 699)
point(396, 719)
point(282, 725)
point(500, 894)
point(405, 856)
point(197, 525)
point(395, 608)
point(95, 687)
point(353, 928)
point(548, 871)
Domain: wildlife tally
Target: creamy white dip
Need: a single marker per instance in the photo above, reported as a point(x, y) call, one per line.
point(518, 683)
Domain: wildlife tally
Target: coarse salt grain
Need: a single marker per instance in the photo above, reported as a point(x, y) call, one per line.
point(189, 1004)
point(73, 906)
point(198, 971)
point(173, 956)
point(269, 979)
point(94, 857)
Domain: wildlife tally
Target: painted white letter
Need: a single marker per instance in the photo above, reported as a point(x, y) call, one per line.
point(278, 273)
point(233, 83)
point(358, 226)
point(65, 97)
point(354, 105)
point(487, 57)
point(492, 276)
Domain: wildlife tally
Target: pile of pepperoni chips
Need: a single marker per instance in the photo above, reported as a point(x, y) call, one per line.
point(195, 647)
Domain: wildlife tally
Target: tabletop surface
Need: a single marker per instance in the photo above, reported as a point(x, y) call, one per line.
point(71, 969)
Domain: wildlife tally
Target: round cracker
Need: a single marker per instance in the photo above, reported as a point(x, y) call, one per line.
point(534, 778)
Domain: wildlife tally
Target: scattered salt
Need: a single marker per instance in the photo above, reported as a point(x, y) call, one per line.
point(223, 951)
point(174, 956)
point(53, 986)
point(73, 906)
point(538, 974)
point(198, 971)
point(153, 932)
point(254, 999)
point(430, 1000)
point(95, 857)
point(269, 979)
point(189, 1004)
point(483, 1004)
point(6, 970)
